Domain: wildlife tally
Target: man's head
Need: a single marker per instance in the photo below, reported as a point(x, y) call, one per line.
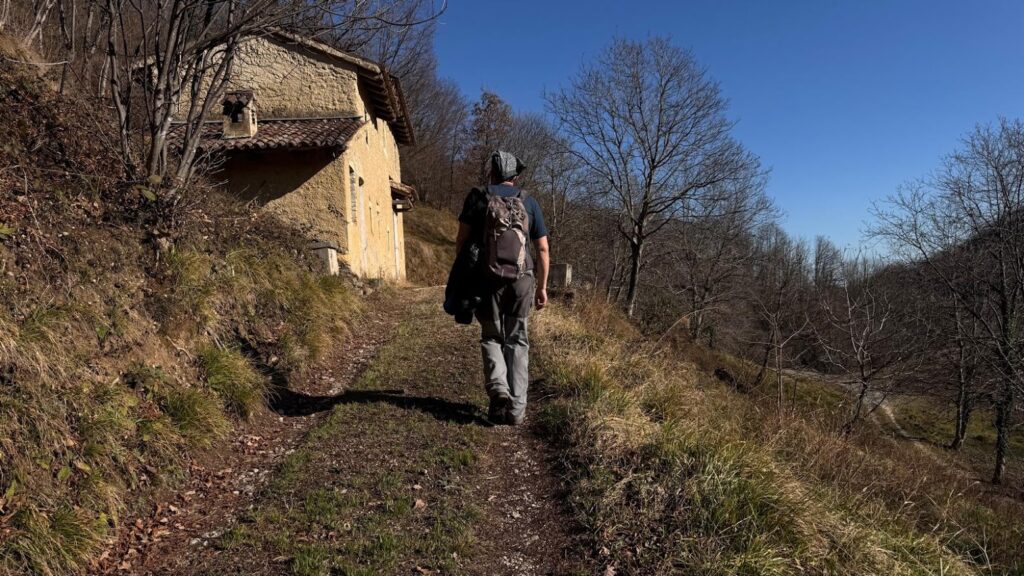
point(505, 167)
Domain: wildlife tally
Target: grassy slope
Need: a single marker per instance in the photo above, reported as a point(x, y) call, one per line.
point(118, 361)
point(672, 472)
point(429, 245)
point(924, 419)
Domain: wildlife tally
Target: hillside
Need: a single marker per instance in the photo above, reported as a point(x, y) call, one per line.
point(430, 245)
point(181, 394)
point(673, 470)
point(138, 332)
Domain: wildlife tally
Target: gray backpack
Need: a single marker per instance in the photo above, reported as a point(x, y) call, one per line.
point(506, 235)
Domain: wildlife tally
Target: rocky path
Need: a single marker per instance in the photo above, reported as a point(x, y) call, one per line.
point(399, 474)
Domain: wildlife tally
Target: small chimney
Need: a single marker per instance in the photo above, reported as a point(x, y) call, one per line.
point(239, 114)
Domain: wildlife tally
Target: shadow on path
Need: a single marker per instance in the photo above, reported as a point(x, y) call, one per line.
point(287, 402)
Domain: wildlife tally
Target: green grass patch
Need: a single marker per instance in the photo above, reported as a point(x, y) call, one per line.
point(242, 387)
point(198, 416)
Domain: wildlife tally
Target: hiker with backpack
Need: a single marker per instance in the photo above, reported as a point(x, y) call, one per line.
point(496, 227)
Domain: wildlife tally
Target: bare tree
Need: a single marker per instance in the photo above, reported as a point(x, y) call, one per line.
point(965, 361)
point(864, 335)
point(490, 129)
point(778, 295)
point(646, 120)
point(41, 10)
point(562, 186)
point(440, 115)
point(965, 226)
point(705, 256)
point(828, 262)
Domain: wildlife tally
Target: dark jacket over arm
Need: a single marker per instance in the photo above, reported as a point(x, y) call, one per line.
point(464, 290)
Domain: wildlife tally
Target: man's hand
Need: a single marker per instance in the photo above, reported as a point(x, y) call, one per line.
point(543, 263)
point(541, 298)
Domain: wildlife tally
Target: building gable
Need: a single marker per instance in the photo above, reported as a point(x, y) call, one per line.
point(291, 81)
point(296, 77)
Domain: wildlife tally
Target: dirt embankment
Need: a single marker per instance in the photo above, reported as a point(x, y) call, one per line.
point(139, 326)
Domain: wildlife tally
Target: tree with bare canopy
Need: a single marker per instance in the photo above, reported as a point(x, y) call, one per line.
point(647, 120)
point(159, 61)
point(964, 225)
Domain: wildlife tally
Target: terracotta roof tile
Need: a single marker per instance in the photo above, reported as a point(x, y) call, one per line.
point(274, 134)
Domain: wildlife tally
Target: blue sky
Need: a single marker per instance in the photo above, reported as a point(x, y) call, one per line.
point(842, 100)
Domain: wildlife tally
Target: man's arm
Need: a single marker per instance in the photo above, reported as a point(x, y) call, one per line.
point(462, 237)
point(544, 262)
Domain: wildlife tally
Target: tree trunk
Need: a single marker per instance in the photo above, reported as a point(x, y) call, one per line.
point(963, 416)
point(1004, 408)
point(636, 250)
point(778, 375)
point(858, 408)
point(965, 376)
point(764, 361)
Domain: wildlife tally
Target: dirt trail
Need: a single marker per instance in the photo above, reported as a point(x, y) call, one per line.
point(399, 475)
point(223, 483)
point(878, 407)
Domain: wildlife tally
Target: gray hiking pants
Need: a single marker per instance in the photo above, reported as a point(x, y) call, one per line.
point(504, 341)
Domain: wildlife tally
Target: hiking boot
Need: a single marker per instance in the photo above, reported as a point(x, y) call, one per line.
point(497, 412)
point(515, 419)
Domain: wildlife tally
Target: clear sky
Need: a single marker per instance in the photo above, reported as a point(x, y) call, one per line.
point(843, 100)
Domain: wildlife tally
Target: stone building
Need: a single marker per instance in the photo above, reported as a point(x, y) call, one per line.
point(312, 133)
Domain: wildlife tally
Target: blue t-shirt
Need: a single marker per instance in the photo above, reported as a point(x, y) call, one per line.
point(475, 207)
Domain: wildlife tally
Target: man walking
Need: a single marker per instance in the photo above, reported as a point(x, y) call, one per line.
point(502, 220)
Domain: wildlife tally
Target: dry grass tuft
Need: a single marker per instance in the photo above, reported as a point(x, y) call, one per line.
point(240, 386)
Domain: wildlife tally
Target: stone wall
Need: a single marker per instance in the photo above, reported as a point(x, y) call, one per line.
point(291, 81)
point(305, 188)
point(376, 239)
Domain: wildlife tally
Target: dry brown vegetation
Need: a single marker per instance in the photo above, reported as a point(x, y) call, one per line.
point(675, 472)
point(130, 332)
point(429, 245)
